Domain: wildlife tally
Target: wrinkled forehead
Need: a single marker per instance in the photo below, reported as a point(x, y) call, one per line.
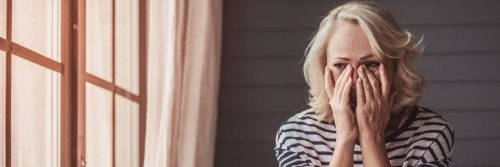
point(348, 40)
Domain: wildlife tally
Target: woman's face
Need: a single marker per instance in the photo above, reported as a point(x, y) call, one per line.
point(348, 45)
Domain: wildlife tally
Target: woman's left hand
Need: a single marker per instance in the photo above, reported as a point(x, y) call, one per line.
point(374, 104)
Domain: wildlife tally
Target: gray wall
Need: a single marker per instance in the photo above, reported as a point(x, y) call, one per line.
point(262, 84)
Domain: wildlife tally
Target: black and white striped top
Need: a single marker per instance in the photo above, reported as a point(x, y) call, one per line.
point(425, 139)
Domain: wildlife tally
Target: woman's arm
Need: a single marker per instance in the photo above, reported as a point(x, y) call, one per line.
point(344, 118)
point(373, 151)
point(372, 115)
point(343, 153)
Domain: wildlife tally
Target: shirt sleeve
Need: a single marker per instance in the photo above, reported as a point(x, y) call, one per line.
point(285, 155)
point(440, 163)
point(287, 158)
point(440, 151)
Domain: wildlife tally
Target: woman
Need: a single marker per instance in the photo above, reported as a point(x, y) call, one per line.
point(363, 94)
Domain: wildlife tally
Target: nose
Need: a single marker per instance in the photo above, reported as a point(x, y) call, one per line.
point(354, 76)
point(354, 73)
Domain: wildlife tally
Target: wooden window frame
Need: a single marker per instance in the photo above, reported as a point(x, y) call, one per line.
point(74, 78)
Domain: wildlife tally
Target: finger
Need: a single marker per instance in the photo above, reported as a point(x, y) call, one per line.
point(375, 86)
point(360, 93)
point(346, 92)
point(338, 80)
point(366, 85)
point(344, 79)
point(328, 83)
point(384, 80)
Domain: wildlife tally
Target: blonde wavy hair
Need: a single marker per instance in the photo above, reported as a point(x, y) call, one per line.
point(386, 38)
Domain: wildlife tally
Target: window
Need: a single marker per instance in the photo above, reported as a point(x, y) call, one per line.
point(72, 73)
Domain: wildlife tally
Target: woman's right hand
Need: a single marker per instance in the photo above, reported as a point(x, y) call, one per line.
point(343, 115)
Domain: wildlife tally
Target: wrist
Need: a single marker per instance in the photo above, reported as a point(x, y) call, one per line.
point(371, 139)
point(346, 137)
point(345, 141)
point(374, 150)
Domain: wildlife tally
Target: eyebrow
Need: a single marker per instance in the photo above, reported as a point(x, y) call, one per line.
point(362, 58)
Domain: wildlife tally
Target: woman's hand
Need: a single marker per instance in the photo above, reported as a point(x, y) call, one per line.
point(373, 107)
point(345, 121)
point(372, 115)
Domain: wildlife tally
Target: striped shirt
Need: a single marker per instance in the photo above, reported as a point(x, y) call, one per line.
point(425, 139)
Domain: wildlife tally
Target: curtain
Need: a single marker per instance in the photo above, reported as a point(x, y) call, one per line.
point(99, 101)
point(35, 90)
point(183, 77)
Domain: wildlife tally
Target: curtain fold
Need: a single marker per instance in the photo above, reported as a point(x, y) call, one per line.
point(183, 73)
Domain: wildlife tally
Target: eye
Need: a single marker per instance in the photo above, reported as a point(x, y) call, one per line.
point(340, 66)
point(372, 65)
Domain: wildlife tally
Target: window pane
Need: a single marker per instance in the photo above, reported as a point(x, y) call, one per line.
point(127, 132)
point(98, 38)
point(98, 126)
point(35, 115)
point(2, 108)
point(127, 45)
point(3, 18)
point(36, 26)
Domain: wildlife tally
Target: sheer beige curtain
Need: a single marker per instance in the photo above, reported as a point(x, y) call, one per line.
point(183, 77)
point(35, 115)
point(101, 133)
point(35, 90)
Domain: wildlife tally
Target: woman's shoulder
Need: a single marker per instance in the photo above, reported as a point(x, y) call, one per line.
point(425, 121)
point(303, 126)
point(432, 127)
point(303, 119)
point(432, 132)
point(424, 125)
point(426, 117)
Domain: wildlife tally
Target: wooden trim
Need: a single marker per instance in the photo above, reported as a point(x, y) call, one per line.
point(8, 79)
point(30, 55)
point(122, 92)
point(81, 152)
point(36, 58)
point(143, 52)
point(4, 44)
point(98, 81)
point(74, 82)
point(68, 129)
point(111, 87)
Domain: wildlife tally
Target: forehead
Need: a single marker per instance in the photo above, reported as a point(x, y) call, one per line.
point(348, 40)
